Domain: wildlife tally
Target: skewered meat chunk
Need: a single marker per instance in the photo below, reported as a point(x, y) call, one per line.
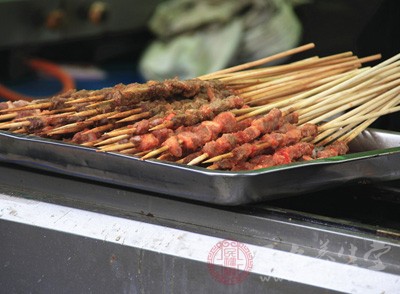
point(153, 90)
point(287, 154)
point(269, 141)
point(229, 141)
point(205, 112)
point(145, 142)
point(84, 136)
point(173, 88)
point(334, 149)
point(175, 118)
point(282, 156)
point(174, 146)
point(195, 139)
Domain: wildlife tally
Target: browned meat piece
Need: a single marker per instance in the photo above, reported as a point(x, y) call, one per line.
point(229, 141)
point(335, 149)
point(287, 154)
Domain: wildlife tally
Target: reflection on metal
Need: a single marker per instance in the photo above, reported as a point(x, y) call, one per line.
point(376, 160)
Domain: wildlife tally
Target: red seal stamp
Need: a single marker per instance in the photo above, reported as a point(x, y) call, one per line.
point(230, 262)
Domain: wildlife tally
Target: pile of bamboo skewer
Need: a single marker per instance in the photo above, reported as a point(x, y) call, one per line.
point(337, 93)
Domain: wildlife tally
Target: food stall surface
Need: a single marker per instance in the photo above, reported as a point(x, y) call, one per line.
point(62, 234)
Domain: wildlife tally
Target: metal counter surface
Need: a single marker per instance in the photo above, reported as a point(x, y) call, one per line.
point(62, 234)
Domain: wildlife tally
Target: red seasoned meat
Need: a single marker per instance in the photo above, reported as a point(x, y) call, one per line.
point(173, 146)
point(335, 149)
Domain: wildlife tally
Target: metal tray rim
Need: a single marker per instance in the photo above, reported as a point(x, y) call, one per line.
point(337, 159)
point(201, 184)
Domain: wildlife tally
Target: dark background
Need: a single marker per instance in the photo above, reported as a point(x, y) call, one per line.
point(365, 27)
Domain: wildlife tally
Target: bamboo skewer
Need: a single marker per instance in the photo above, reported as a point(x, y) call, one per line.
point(85, 99)
point(321, 111)
point(352, 64)
point(326, 89)
point(13, 125)
point(120, 131)
point(316, 93)
point(301, 77)
point(117, 147)
point(317, 88)
point(354, 133)
point(28, 107)
point(288, 89)
point(135, 117)
point(295, 71)
point(350, 123)
point(198, 159)
point(126, 113)
point(269, 71)
point(251, 82)
point(154, 153)
point(259, 62)
point(195, 161)
point(97, 97)
point(359, 119)
point(8, 116)
point(361, 110)
point(112, 140)
point(347, 129)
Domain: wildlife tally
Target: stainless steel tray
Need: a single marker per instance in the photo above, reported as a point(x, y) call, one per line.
point(374, 157)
